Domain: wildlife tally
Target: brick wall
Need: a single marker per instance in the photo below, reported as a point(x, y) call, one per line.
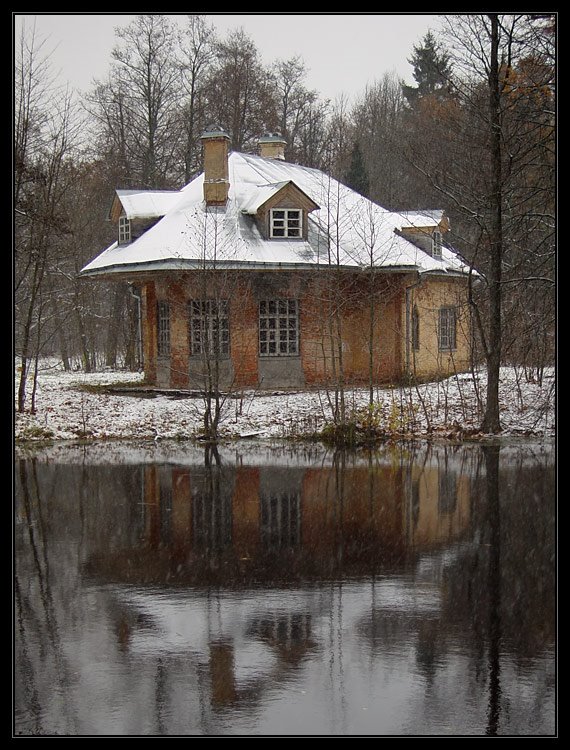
point(325, 303)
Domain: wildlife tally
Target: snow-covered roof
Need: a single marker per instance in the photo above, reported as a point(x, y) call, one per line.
point(427, 218)
point(260, 195)
point(147, 204)
point(347, 229)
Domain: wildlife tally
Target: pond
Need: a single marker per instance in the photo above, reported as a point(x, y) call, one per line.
point(277, 589)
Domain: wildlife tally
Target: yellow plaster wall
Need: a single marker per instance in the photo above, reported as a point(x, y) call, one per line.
point(433, 294)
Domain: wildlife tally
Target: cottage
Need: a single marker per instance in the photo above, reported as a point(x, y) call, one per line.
point(262, 273)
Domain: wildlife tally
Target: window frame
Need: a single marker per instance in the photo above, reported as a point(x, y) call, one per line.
point(415, 329)
point(285, 227)
point(125, 230)
point(436, 244)
point(447, 329)
point(280, 520)
point(162, 329)
point(447, 492)
point(284, 313)
point(208, 328)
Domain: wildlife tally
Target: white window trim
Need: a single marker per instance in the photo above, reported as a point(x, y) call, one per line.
point(162, 329)
point(282, 222)
point(124, 230)
point(209, 318)
point(447, 329)
point(436, 243)
point(276, 317)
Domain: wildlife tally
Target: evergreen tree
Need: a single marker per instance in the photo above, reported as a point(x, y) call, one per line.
point(431, 70)
point(357, 176)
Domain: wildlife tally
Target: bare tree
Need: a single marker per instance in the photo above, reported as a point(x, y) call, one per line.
point(197, 43)
point(136, 107)
point(488, 150)
point(294, 102)
point(46, 133)
point(378, 128)
point(239, 91)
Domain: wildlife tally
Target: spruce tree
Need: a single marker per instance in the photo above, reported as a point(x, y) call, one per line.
point(431, 70)
point(357, 176)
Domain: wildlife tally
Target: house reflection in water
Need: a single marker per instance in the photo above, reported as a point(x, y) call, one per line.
point(236, 523)
point(277, 589)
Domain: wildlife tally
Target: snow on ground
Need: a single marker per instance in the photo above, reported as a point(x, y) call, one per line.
point(65, 411)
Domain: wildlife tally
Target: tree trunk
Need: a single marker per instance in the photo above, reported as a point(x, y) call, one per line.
point(114, 326)
point(372, 313)
point(61, 330)
point(85, 356)
point(491, 422)
point(27, 333)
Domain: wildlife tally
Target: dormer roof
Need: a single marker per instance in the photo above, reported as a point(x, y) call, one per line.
point(263, 194)
point(142, 204)
point(427, 219)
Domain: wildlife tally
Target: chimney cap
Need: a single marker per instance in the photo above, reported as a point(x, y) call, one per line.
point(271, 138)
point(215, 131)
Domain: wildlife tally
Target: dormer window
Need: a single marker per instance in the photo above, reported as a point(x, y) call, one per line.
point(124, 230)
point(436, 244)
point(286, 223)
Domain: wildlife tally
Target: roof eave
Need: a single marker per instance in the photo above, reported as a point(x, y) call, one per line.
point(130, 269)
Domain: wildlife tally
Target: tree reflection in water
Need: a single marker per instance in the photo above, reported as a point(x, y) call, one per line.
point(276, 591)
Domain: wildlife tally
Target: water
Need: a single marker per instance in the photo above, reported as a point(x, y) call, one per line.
point(277, 590)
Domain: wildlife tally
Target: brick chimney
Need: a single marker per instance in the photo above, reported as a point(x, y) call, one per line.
point(215, 142)
point(272, 146)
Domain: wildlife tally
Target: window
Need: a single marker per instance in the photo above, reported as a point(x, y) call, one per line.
point(278, 327)
point(209, 329)
point(124, 230)
point(415, 329)
point(165, 499)
point(436, 244)
point(447, 327)
point(280, 520)
point(285, 222)
point(211, 512)
point(163, 329)
point(447, 499)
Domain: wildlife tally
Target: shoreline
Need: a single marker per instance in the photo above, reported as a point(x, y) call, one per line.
point(113, 405)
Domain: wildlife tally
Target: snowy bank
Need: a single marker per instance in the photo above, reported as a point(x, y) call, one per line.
point(75, 405)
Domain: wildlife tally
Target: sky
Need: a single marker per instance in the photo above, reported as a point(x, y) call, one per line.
point(343, 52)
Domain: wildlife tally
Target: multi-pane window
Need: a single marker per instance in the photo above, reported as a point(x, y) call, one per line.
point(278, 327)
point(163, 329)
point(211, 513)
point(280, 520)
point(124, 230)
point(285, 222)
point(436, 244)
point(209, 329)
point(447, 328)
point(415, 329)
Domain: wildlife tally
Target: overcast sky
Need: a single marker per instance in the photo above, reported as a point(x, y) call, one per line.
point(343, 52)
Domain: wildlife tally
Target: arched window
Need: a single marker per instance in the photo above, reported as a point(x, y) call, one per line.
point(415, 329)
point(447, 328)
